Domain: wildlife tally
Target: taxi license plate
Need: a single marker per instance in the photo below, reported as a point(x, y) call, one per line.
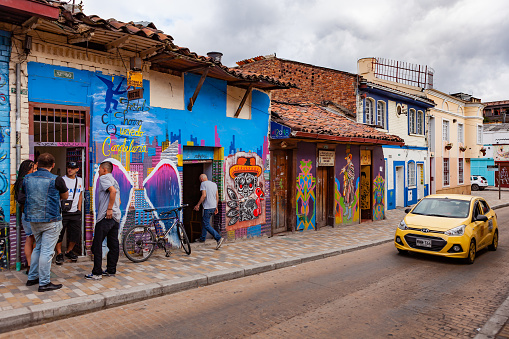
point(423, 242)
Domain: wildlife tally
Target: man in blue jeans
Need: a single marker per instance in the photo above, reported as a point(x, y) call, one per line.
point(43, 192)
point(209, 198)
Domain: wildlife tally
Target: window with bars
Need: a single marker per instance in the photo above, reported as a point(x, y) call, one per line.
point(411, 121)
point(460, 170)
point(369, 112)
point(445, 130)
point(446, 171)
point(411, 174)
point(59, 125)
point(420, 122)
point(380, 114)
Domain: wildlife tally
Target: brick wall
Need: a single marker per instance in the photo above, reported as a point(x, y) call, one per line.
point(316, 84)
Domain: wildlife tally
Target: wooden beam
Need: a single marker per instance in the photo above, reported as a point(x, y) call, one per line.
point(77, 38)
point(197, 90)
point(195, 68)
point(117, 43)
point(248, 91)
point(30, 24)
point(150, 52)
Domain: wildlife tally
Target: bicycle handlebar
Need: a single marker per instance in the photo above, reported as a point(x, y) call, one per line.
point(166, 212)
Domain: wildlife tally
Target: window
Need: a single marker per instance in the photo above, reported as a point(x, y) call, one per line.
point(479, 134)
point(485, 206)
point(446, 171)
point(380, 114)
point(445, 130)
point(461, 137)
point(369, 112)
point(411, 121)
point(411, 174)
point(460, 171)
point(420, 122)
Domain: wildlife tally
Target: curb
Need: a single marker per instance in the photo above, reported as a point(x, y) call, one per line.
point(501, 315)
point(33, 315)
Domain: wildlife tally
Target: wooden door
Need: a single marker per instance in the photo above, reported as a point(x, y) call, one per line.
point(365, 199)
point(323, 195)
point(279, 183)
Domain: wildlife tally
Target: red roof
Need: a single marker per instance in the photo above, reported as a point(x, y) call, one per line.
point(308, 120)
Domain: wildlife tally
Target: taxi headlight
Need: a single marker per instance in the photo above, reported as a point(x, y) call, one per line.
point(402, 225)
point(456, 231)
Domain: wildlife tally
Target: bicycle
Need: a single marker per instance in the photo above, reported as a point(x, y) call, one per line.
point(141, 241)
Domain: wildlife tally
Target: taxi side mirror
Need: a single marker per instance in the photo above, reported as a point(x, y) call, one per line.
point(408, 210)
point(481, 218)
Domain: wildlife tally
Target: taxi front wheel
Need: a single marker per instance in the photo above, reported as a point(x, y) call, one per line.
point(471, 253)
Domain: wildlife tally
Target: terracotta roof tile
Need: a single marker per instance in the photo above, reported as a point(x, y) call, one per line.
point(311, 118)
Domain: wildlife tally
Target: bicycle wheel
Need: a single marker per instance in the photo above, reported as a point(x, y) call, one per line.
point(184, 240)
point(139, 244)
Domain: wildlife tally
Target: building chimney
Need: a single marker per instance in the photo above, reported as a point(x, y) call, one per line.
point(216, 56)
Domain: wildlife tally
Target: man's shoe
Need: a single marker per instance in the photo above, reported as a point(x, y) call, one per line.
point(219, 243)
point(199, 240)
point(93, 277)
point(59, 260)
point(71, 255)
point(49, 287)
point(107, 274)
point(32, 282)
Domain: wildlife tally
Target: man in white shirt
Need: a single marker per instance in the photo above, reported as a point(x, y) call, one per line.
point(209, 198)
point(71, 220)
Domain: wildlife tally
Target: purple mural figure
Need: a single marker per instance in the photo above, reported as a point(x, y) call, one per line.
point(125, 184)
point(348, 185)
point(110, 92)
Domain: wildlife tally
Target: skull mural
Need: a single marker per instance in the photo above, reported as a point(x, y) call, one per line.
point(245, 195)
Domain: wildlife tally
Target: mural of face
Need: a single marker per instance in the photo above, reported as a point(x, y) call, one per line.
point(245, 184)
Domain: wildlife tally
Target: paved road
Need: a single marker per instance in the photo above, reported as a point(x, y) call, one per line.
point(371, 293)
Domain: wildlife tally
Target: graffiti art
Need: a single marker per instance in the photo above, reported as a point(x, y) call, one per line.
point(244, 191)
point(378, 197)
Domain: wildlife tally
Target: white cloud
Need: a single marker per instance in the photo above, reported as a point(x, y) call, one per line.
point(464, 41)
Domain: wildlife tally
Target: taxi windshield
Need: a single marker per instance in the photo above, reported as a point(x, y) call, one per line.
point(442, 207)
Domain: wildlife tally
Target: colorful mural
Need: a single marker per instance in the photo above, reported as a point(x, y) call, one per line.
point(306, 208)
point(378, 197)
point(5, 196)
point(341, 213)
point(245, 190)
point(501, 153)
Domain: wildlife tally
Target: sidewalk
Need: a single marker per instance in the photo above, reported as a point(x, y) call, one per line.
point(21, 306)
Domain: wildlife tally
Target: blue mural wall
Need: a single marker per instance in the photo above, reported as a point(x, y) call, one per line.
point(147, 142)
point(5, 52)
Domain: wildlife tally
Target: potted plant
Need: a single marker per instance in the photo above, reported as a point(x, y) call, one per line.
point(463, 148)
point(448, 146)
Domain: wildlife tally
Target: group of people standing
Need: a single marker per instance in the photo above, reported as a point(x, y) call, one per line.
point(39, 194)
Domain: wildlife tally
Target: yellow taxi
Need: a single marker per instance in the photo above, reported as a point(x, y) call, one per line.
point(448, 225)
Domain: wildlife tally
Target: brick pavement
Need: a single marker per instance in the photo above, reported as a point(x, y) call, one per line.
point(20, 305)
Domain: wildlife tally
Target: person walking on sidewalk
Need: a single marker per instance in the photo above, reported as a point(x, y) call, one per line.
point(71, 220)
point(107, 225)
point(43, 192)
point(209, 198)
point(26, 167)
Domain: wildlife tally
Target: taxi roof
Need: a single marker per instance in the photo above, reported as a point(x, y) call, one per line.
point(453, 196)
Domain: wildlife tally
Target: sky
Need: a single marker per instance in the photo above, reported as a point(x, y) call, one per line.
point(466, 42)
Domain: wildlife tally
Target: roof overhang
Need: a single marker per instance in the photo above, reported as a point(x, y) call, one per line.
point(18, 11)
point(316, 136)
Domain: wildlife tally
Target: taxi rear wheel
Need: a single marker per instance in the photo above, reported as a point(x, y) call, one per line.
point(494, 243)
point(471, 253)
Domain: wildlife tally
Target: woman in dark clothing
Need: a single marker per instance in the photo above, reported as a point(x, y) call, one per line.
point(26, 167)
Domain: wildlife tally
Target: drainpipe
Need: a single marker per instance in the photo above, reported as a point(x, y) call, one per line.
point(18, 160)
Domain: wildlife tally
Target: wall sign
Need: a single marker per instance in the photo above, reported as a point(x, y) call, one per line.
point(278, 131)
point(365, 157)
point(326, 158)
point(63, 74)
point(134, 79)
point(135, 94)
